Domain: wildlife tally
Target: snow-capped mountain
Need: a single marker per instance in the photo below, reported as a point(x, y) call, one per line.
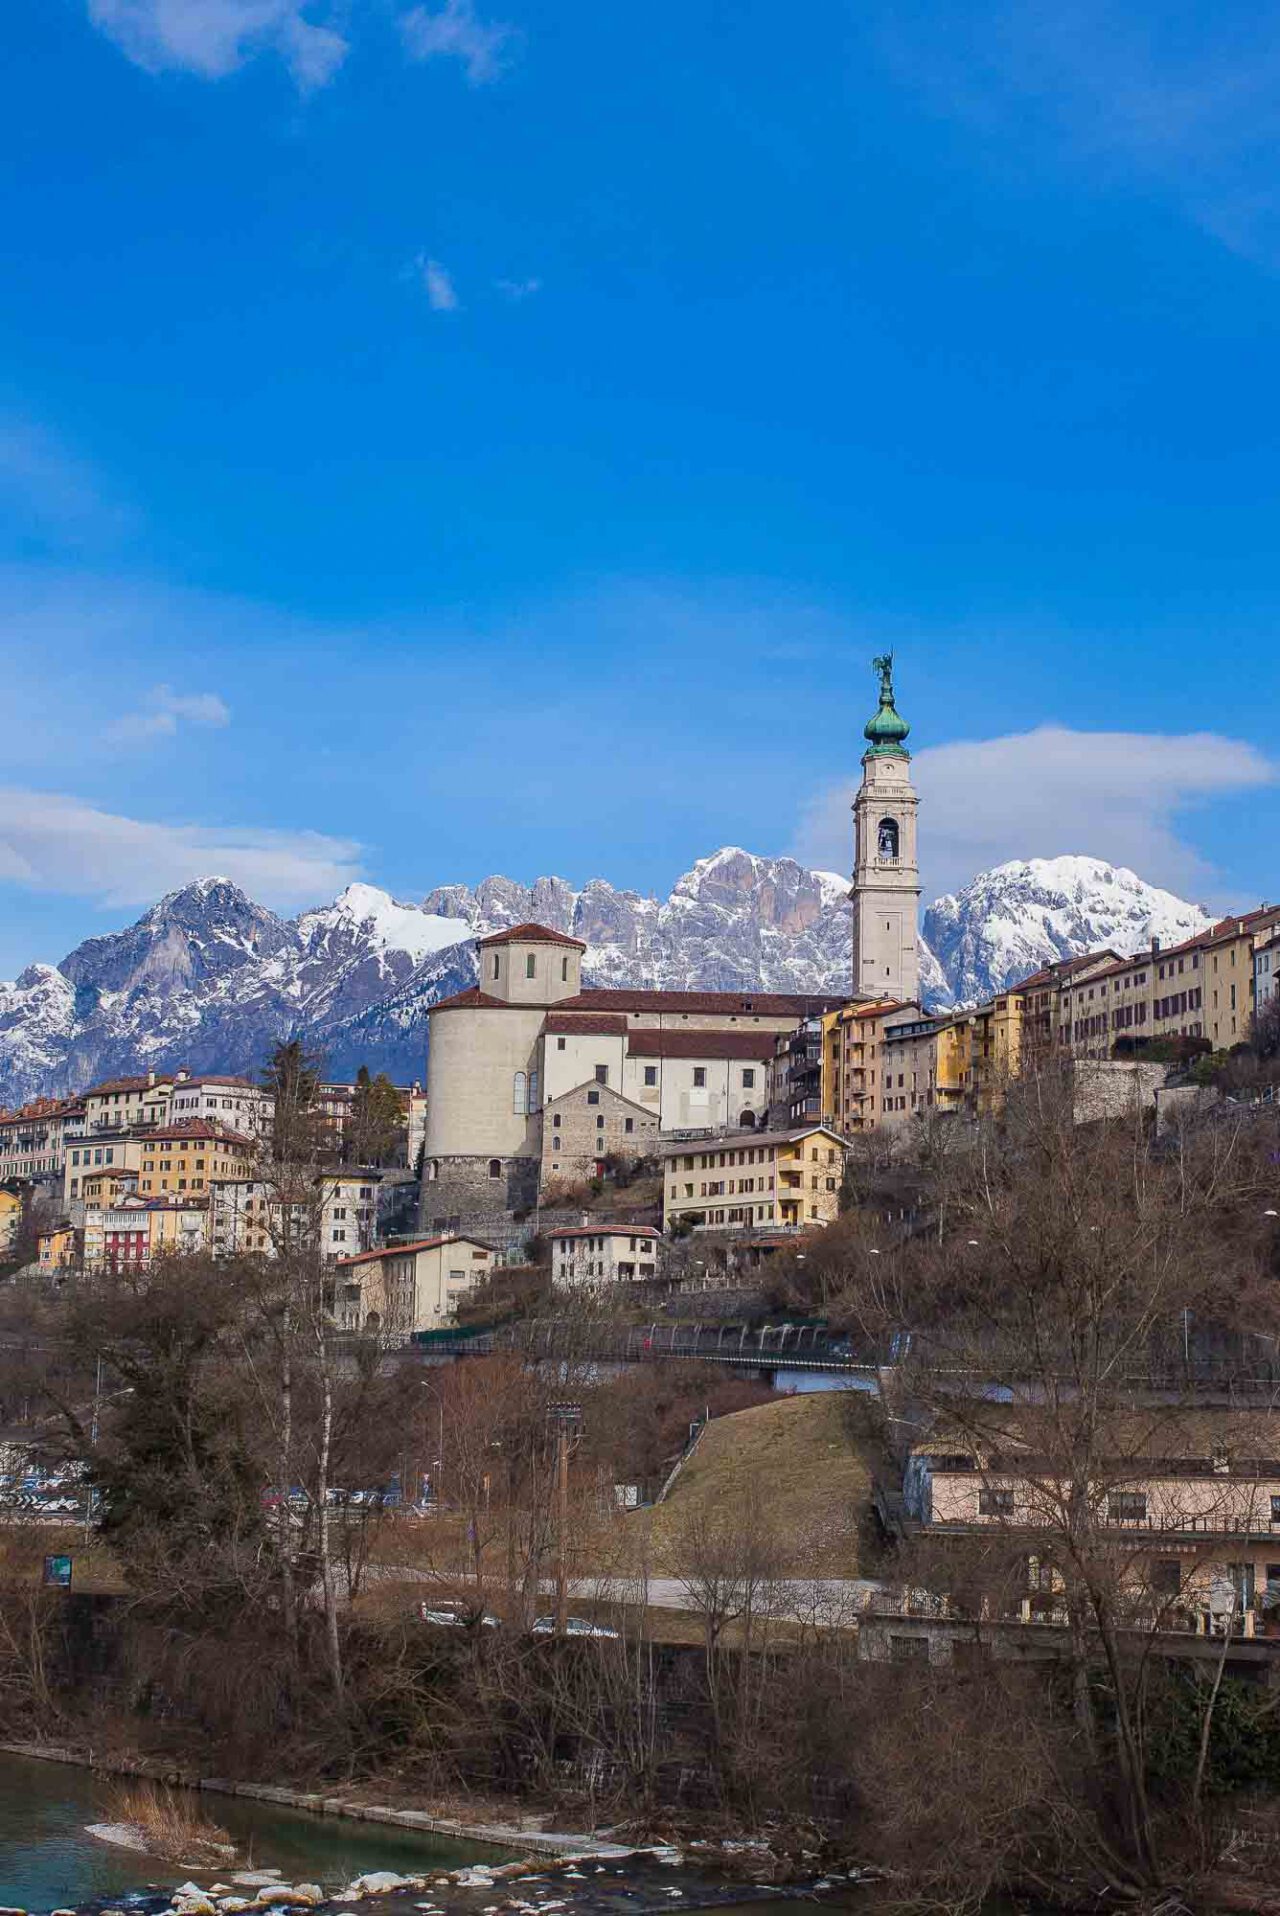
point(210, 980)
point(1022, 915)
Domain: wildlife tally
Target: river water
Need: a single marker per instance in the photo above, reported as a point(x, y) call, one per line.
point(46, 1860)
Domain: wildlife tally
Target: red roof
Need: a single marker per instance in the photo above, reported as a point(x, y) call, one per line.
point(419, 1244)
point(530, 934)
point(197, 1128)
point(473, 997)
point(205, 1077)
point(585, 1024)
point(731, 1004)
point(646, 1043)
point(606, 1230)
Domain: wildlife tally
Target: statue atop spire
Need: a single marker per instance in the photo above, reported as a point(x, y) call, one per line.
point(887, 730)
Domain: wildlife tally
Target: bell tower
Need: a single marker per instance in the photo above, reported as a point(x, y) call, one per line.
point(886, 875)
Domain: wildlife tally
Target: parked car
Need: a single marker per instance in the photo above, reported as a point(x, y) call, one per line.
point(456, 1616)
point(573, 1627)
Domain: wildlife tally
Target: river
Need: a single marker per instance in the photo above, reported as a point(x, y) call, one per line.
point(46, 1859)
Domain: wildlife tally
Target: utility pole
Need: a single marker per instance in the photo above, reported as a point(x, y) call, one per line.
point(567, 1419)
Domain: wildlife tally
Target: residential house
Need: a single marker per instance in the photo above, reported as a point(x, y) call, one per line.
point(34, 1139)
point(408, 1287)
point(10, 1221)
point(56, 1249)
point(106, 1151)
point(125, 1104)
point(595, 1254)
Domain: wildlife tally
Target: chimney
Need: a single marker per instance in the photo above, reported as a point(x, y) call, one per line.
point(1155, 947)
point(151, 1078)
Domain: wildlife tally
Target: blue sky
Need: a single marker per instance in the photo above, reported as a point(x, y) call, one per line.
point(447, 438)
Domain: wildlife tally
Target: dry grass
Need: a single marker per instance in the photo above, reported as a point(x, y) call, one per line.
point(169, 1822)
point(808, 1461)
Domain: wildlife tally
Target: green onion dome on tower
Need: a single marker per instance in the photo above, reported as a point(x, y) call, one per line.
point(887, 730)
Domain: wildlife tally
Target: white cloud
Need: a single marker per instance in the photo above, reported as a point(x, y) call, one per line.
point(458, 33)
point(166, 710)
point(51, 842)
point(214, 37)
point(518, 289)
point(438, 284)
point(1112, 795)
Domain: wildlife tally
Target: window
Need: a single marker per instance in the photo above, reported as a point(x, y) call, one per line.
point(630, 1124)
point(555, 1122)
point(559, 1044)
point(495, 1167)
point(593, 1097)
point(600, 1123)
point(699, 1076)
point(530, 966)
point(748, 1079)
point(495, 964)
point(909, 1649)
point(995, 1503)
point(1127, 1506)
point(564, 970)
point(519, 1094)
point(602, 1074)
point(651, 1074)
point(887, 840)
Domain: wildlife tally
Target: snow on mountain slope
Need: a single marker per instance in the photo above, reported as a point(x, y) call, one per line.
point(1025, 914)
point(210, 980)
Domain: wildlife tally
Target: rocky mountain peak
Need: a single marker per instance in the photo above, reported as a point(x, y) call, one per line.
point(209, 979)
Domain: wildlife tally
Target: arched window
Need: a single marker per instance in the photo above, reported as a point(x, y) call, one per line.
point(519, 1094)
point(748, 1120)
point(495, 1167)
point(887, 838)
point(433, 1170)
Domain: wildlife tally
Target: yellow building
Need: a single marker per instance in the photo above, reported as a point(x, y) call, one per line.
point(923, 1064)
point(1229, 975)
point(56, 1249)
point(753, 1178)
point(10, 1222)
point(852, 1040)
point(177, 1227)
point(111, 1151)
point(187, 1157)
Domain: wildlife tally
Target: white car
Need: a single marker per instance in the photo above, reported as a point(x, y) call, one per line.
point(455, 1616)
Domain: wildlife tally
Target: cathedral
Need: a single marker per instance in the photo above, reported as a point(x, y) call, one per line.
point(535, 1081)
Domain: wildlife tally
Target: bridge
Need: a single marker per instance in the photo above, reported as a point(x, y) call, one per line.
point(763, 1347)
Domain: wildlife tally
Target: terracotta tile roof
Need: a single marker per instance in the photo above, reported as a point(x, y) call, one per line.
point(197, 1129)
point(731, 1004)
point(644, 1042)
point(585, 1024)
point(419, 1244)
point(531, 934)
point(473, 997)
point(607, 1230)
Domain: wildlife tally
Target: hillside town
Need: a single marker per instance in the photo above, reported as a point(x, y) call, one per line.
point(803, 1358)
point(741, 1109)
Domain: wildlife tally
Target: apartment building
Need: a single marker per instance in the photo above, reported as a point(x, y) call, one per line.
point(134, 1231)
point(126, 1104)
point(108, 1151)
point(34, 1139)
point(924, 1069)
point(588, 1255)
point(237, 1104)
point(752, 1178)
point(188, 1157)
point(10, 1221)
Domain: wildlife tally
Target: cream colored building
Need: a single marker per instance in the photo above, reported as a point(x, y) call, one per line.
point(236, 1104)
point(589, 1255)
point(110, 1151)
point(688, 1060)
point(126, 1103)
point(753, 1178)
point(408, 1287)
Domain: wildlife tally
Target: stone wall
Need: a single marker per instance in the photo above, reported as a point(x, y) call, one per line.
point(1114, 1088)
point(465, 1197)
